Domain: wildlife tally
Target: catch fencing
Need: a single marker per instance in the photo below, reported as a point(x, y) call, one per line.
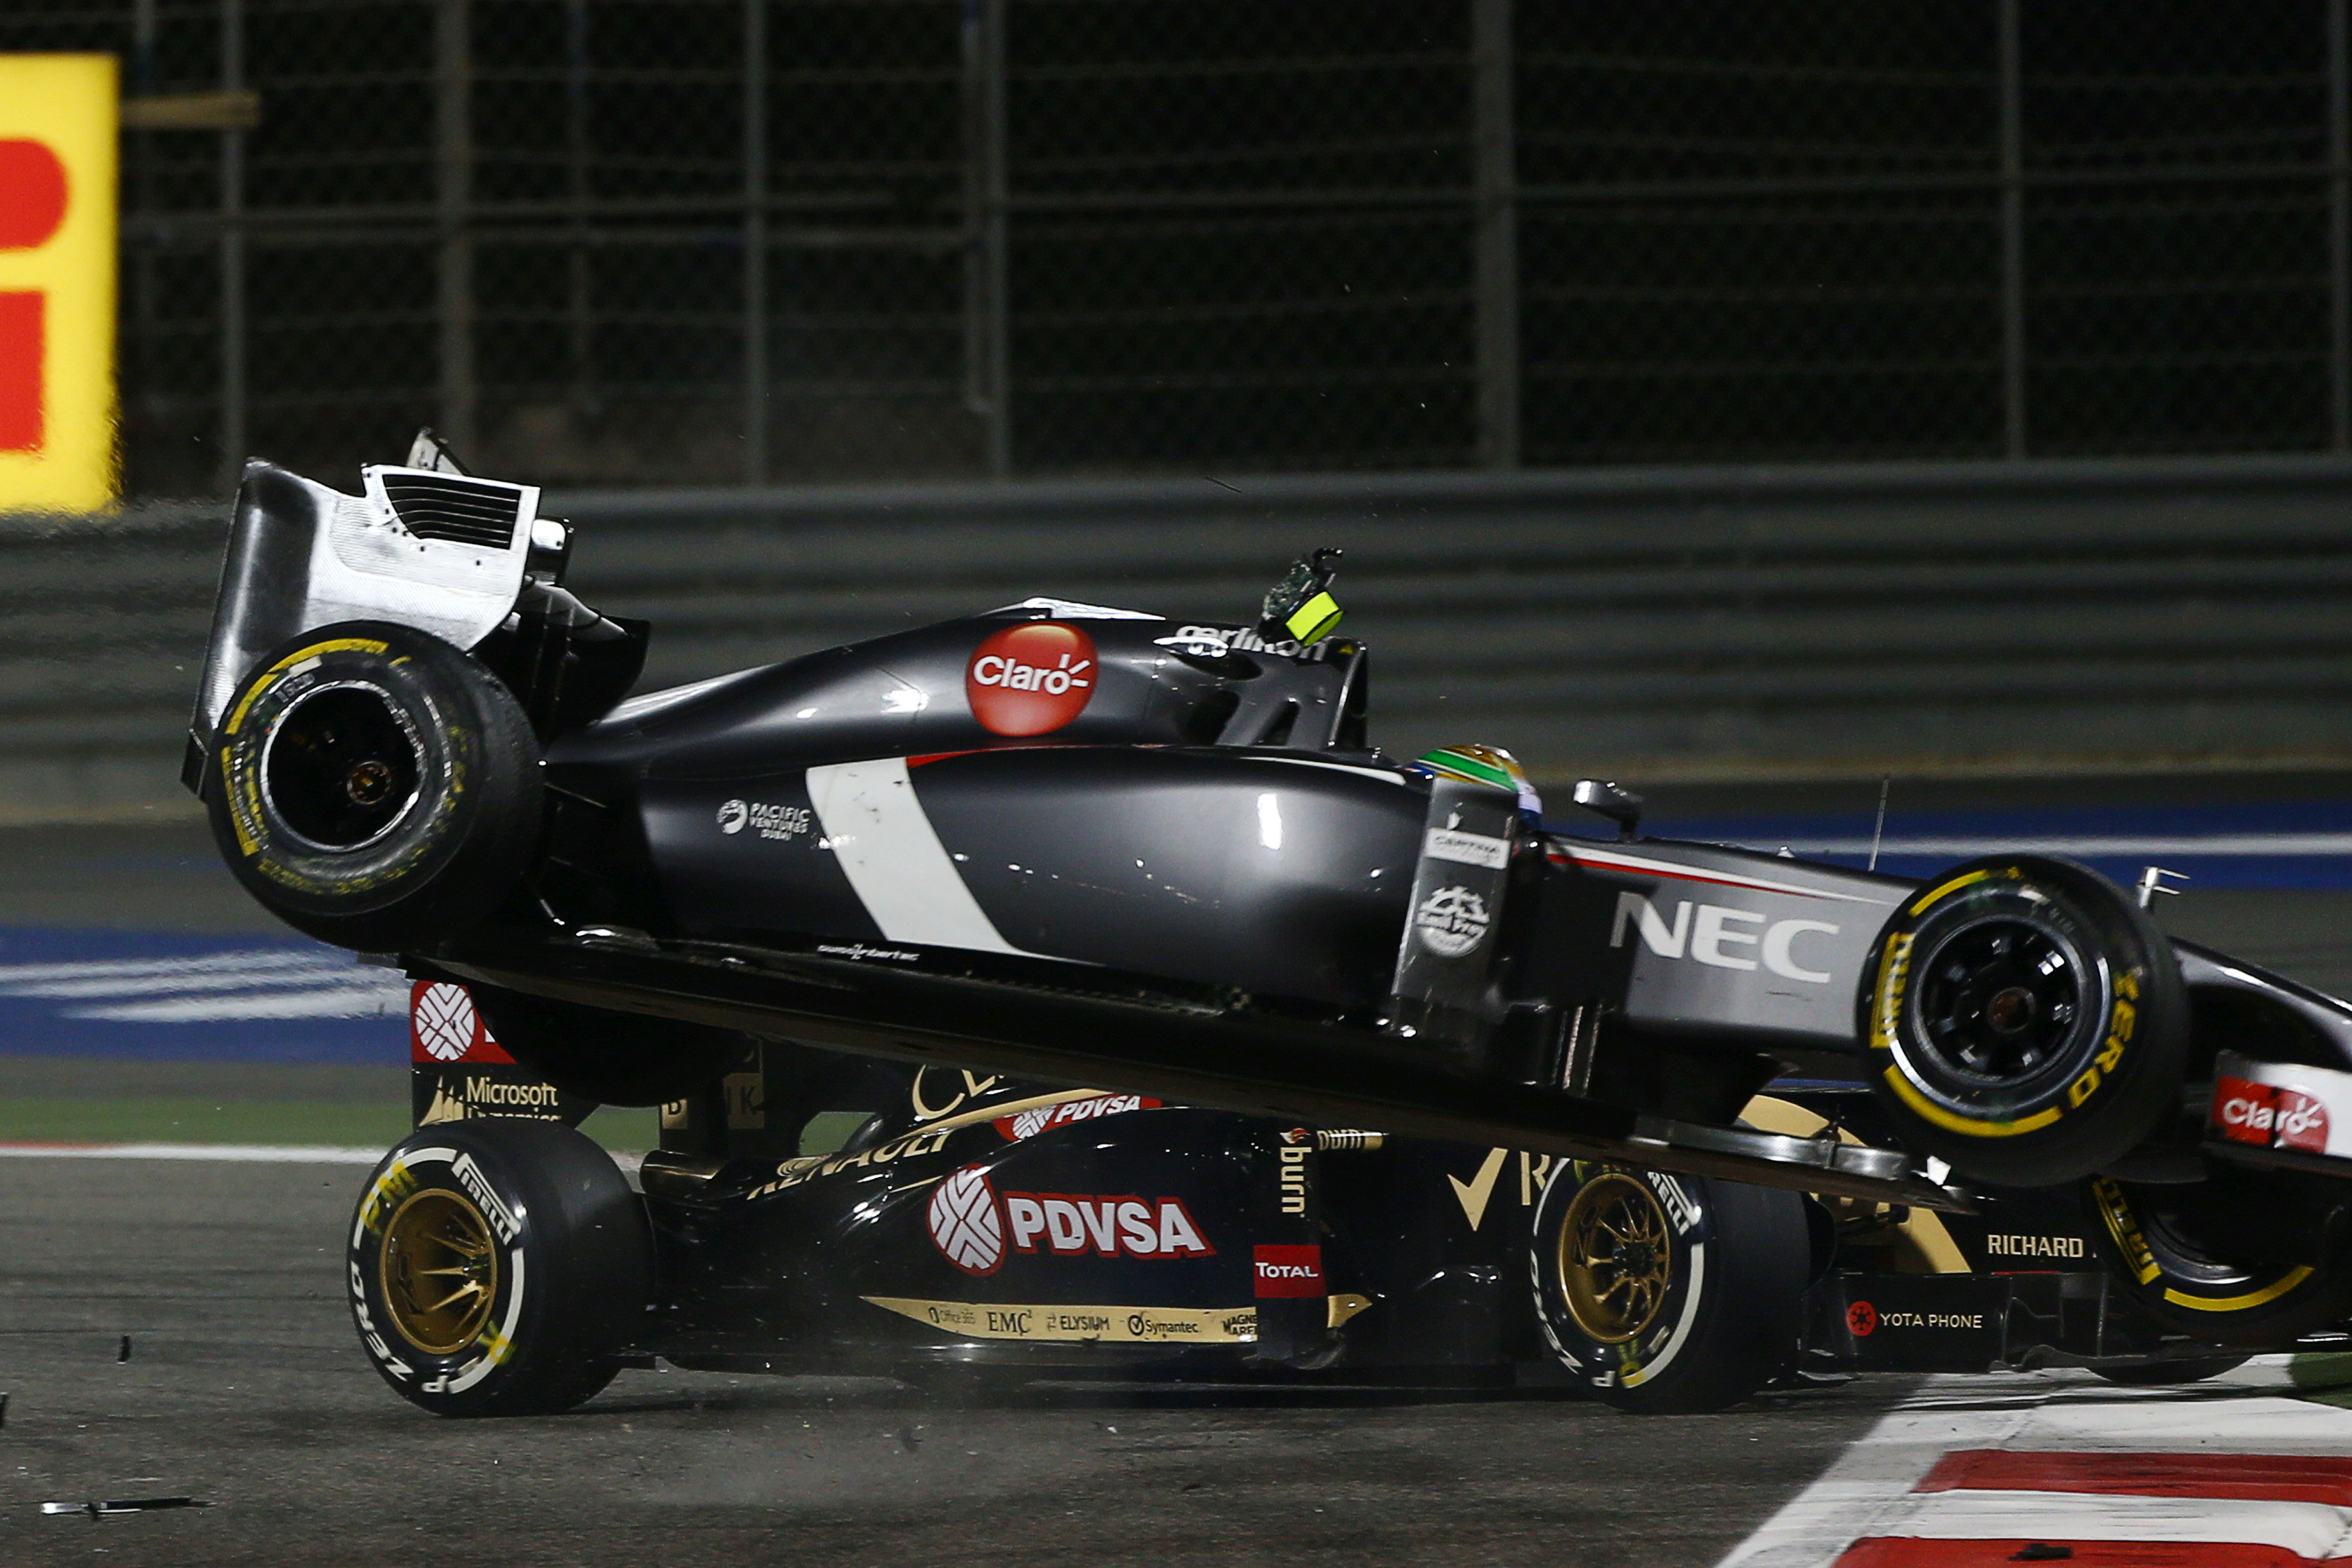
point(718, 242)
point(1651, 625)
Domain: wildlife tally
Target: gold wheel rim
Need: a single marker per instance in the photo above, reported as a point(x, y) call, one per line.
point(1616, 1259)
point(440, 1270)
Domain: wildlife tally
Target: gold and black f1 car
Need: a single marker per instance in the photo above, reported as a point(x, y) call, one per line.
point(817, 1212)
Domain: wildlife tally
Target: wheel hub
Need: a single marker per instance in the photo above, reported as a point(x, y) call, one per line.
point(1616, 1259)
point(1998, 1000)
point(440, 1271)
point(340, 768)
point(367, 783)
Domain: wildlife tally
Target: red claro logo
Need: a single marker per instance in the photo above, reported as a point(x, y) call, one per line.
point(2266, 1116)
point(1030, 679)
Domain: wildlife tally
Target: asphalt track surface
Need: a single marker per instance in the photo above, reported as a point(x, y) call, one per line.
point(244, 1390)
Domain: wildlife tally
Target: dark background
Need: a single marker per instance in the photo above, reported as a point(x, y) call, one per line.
point(725, 241)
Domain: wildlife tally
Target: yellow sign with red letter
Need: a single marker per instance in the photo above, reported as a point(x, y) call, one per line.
point(56, 282)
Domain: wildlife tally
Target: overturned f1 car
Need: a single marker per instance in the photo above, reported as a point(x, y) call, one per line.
point(1087, 844)
point(825, 1212)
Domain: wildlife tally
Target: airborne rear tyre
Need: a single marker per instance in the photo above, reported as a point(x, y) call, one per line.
point(2233, 1262)
point(2026, 1022)
point(374, 786)
point(499, 1267)
point(1667, 1295)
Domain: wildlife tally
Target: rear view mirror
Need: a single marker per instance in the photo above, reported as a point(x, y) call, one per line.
point(1614, 801)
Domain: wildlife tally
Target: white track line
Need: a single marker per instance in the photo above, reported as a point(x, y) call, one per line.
point(273, 1153)
point(287, 1153)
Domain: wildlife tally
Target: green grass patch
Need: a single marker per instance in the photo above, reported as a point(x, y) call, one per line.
point(2323, 1377)
point(367, 1124)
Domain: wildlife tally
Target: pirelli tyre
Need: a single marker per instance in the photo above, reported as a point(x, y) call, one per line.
point(499, 1267)
point(2233, 1262)
point(374, 786)
point(2024, 1021)
point(1664, 1294)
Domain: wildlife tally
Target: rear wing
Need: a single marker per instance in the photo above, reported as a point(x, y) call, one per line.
point(423, 545)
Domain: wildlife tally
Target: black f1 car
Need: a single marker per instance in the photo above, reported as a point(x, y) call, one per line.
point(941, 1225)
point(1085, 844)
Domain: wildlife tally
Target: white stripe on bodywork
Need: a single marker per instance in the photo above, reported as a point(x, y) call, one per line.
point(895, 861)
point(1609, 860)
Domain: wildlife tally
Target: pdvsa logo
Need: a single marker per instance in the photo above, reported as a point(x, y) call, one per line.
point(964, 1223)
point(1045, 1118)
point(1072, 1225)
point(444, 1027)
point(1030, 679)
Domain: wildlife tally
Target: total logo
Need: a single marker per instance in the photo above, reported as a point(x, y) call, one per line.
point(1032, 678)
point(768, 821)
point(1284, 1272)
point(1073, 1224)
point(1451, 921)
point(2267, 1116)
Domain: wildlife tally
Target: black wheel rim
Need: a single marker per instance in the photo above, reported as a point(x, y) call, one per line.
point(1999, 1003)
point(340, 768)
point(2177, 1243)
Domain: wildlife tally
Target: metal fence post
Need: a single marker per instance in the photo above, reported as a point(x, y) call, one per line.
point(453, 74)
point(233, 395)
point(2013, 236)
point(987, 326)
point(580, 377)
point(2339, 233)
point(1497, 232)
point(755, 242)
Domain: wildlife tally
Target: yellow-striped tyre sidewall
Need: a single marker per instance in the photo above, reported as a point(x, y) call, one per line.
point(2112, 1082)
point(2166, 1273)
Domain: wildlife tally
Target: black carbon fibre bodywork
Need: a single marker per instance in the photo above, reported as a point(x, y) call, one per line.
point(1189, 879)
point(1089, 844)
